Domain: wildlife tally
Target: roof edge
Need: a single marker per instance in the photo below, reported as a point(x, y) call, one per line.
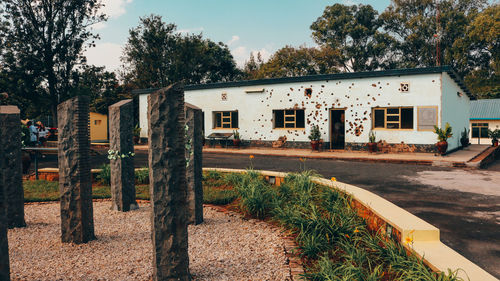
point(310, 78)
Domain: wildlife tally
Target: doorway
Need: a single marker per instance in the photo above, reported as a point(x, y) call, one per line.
point(337, 124)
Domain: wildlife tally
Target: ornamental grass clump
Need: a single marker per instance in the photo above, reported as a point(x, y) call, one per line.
point(256, 196)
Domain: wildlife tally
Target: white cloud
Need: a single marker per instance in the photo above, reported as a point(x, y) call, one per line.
point(105, 54)
point(241, 55)
point(233, 40)
point(112, 9)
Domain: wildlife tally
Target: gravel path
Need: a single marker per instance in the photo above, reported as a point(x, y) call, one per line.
point(224, 247)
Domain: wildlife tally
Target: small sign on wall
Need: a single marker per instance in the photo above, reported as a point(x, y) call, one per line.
point(427, 118)
point(223, 96)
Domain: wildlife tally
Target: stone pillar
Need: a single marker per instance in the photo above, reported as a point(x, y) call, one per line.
point(4, 245)
point(121, 123)
point(167, 184)
point(11, 167)
point(77, 219)
point(194, 172)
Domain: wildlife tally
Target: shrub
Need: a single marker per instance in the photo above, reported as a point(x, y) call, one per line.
point(104, 175)
point(142, 176)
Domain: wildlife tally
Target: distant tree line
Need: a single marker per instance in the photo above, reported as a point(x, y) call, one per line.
point(42, 45)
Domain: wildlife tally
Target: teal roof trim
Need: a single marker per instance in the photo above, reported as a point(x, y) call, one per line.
point(485, 109)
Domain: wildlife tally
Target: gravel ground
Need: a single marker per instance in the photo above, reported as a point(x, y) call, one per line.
point(224, 247)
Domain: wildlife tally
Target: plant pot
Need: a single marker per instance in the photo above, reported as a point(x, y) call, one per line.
point(372, 147)
point(442, 146)
point(494, 142)
point(315, 145)
point(136, 139)
point(464, 142)
point(236, 142)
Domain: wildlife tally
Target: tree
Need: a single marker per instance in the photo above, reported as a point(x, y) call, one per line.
point(45, 42)
point(101, 86)
point(156, 56)
point(416, 25)
point(289, 61)
point(482, 39)
point(354, 32)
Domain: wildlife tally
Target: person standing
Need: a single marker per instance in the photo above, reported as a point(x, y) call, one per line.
point(33, 133)
point(42, 133)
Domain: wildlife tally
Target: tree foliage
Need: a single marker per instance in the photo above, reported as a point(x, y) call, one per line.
point(156, 55)
point(354, 32)
point(102, 87)
point(44, 42)
point(290, 62)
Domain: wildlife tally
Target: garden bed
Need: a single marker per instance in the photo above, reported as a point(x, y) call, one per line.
point(334, 243)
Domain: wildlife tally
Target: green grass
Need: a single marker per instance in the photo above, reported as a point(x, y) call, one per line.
point(218, 196)
point(43, 191)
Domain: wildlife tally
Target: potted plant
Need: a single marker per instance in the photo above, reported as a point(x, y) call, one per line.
point(464, 140)
point(494, 135)
point(443, 136)
point(315, 137)
point(137, 134)
point(372, 145)
point(236, 139)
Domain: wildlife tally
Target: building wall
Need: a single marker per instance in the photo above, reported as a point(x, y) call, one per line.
point(98, 127)
point(143, 115)
point(455, 110)
point(492, 125)
point(357, 96)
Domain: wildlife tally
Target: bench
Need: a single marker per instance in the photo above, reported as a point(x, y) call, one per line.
point(219, 137)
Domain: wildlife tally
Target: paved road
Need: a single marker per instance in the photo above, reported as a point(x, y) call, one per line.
point(464, 205)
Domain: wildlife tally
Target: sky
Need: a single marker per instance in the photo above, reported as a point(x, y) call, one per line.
point(244, 25)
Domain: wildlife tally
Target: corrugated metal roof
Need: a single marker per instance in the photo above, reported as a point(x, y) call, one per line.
point(486, 109)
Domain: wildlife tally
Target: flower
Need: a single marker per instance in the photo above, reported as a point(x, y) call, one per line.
point(356, 230)
point(251, 157)
point(347, 235)
point(408, 240)
point(333, 179)
point(302, 159)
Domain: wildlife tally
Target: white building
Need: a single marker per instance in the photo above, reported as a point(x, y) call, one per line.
point(485, 114)
point(399, 105)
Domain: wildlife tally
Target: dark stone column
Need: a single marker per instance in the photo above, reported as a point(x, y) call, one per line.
point(194, 172)
point(10, 141)
point(167, 184)
point(121, 123)
point(5, 111)
point(77, 218)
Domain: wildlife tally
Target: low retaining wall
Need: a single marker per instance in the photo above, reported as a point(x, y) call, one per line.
point(393, 221)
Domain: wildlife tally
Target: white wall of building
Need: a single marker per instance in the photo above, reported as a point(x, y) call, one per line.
point(492, 125)
point(358, 97)
point(456, 110)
